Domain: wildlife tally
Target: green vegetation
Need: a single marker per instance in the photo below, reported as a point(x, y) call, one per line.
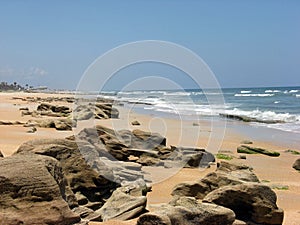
point(283, 187)
point(265, 181)
point(294, 152)
point(223, 156)
point(252, 150)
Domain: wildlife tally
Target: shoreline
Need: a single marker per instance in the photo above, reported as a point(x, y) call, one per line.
point(274, 171)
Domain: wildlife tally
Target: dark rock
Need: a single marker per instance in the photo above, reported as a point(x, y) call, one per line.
point(246, 142)
point(31, 183)
point(296, 164)
point(31, 130)
point(226, 174)
point(252, 150)
point(64, 110)
point(250, 202)
point(135, 123)
point(242, 157)
point(249, 119)
point(1, 155)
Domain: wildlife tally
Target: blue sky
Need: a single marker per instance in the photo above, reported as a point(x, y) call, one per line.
point(245, 43)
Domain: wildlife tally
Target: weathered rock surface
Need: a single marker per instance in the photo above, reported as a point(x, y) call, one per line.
point(250, 202)
point(125, 203)
point(225, 174)
point(103, 110)
point(253, 150)
point(296, 164)
point(1, 155)
point(33, 191)
point(81, 177)
point(187, 210)
point(58, 124)
point(53, 110)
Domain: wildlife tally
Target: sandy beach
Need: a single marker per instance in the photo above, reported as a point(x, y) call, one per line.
point(276, 172)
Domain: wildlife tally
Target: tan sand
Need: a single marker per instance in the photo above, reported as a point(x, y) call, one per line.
point(275, 171)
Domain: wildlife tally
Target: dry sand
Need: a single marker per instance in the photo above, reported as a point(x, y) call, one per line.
point(274, 171)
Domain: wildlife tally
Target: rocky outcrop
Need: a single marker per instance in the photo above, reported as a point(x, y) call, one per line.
point(1, 155)
point(53, 110)
point(249, 119)
point(253, 150)
point(34, 191)
point(102, 110)
point(296, 164)
point(186, 210)
point(225, 174)
point(10, 122)
point(58, 124)
point(251, 202)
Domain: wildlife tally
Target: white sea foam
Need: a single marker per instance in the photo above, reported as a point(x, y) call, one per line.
point(272, 91)
point(254, 95)
point(297, 96)
point(266, 115)
point(245, 92)
point(293, 91)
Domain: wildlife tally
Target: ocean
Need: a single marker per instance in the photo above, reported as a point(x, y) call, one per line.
point(268, 103)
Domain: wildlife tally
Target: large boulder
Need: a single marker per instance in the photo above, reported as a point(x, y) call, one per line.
point(96, 185)
point(225, 174)
point(188, 211)
point(296, 164)
point(33, 191)
point(250, 202)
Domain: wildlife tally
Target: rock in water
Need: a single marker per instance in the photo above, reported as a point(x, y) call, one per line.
point(33, 191)
point(296, 164)
point(250, 202)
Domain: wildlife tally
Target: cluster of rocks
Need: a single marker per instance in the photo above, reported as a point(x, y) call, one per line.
point(47, 99)
point(97, 176)
point(230, 195)
point(145, 148)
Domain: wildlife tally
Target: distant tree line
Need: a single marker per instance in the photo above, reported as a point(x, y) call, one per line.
point(4, 86)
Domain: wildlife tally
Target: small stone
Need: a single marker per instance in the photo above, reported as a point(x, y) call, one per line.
point(247, 142)
point(135, 123)
point(31, 130)
point(242, 157)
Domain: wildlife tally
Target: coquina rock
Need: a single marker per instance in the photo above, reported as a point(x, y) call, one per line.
point(251, 202)
point(186, 210)
point(296, 164)
point(33, 190)
point(225, 174)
